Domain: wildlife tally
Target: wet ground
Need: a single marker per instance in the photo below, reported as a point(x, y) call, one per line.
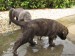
point(62, 48)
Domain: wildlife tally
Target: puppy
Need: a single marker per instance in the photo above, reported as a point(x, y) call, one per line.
point(20, 14)
point(39, 27)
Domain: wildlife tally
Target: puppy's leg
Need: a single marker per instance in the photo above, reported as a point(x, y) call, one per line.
point(17, 44)
point(25, 38)
point(31, 35)
point(32, 43)
point(51, 38)
point(10, 22)
point(39, 38)
point(22, 29)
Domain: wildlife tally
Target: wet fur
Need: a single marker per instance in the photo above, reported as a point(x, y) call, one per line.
point(39, 27)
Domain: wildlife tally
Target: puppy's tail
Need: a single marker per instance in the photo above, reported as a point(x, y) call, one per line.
point(11, 15)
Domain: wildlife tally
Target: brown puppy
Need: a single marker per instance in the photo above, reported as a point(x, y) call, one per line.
point(39, 27)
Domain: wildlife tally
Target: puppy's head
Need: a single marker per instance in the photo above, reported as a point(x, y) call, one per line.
point(63, 34)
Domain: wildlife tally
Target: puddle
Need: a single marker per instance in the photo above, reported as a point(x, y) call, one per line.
point(62, 48)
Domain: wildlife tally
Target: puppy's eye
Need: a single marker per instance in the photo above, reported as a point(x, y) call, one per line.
point(63, 32)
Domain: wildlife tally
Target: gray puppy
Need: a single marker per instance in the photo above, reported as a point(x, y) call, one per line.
point(20, 14)
point(24, 16)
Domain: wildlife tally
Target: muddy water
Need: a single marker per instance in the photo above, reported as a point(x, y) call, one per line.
point(62, 48)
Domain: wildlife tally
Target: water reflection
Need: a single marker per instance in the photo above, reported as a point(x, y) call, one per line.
point(56, 51)
point(43, 49)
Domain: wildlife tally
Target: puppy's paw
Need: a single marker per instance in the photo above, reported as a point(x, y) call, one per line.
point(52, 45)
point(33, 44)
point(15, 54)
